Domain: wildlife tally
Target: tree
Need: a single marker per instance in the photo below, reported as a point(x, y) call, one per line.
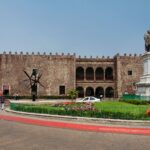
point(73, 93)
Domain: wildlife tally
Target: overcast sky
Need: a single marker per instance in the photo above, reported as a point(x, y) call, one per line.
point(84, 27)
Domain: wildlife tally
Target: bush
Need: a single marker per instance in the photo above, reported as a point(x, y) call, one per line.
point(136, 102)
point(148, 112)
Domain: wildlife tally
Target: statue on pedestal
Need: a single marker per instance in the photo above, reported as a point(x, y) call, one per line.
point(143, 86)
point(147, 41)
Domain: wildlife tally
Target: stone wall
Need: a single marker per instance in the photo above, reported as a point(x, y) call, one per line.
point(125, 81)
point(60, 70)
point(56, 70)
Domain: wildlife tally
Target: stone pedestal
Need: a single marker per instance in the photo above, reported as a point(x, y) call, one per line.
point(143, 87)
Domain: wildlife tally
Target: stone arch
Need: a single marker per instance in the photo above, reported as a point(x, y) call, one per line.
point(89, 73)
point(99, 73)
point(109, 92)
point(81, 91)
point(89, 91)
point(79, 73)
point(99, 91)
point(109, 73)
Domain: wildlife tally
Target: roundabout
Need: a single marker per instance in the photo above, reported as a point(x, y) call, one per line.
point(77, 123)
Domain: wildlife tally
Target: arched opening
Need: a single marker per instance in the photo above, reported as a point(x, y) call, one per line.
point(89, 91)
point(79, 73)
point(80, 91)
point(99, 74)
point(89, 74)
point(109, 93)
point(99, 91)
point(109, 73)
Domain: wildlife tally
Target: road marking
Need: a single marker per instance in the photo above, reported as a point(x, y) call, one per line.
point(84, 127)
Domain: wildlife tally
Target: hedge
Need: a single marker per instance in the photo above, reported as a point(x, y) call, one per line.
point(39, 97)
point(136, 102)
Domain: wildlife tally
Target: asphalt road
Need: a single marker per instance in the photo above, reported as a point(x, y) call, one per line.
point(19, 136)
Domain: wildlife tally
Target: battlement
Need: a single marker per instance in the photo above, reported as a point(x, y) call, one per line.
point(128, 55)
point(79, 58)
point(37, 54)
point(93, 59)
point(107, 58)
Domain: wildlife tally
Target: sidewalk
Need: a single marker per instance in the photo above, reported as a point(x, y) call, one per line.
point(94, 127)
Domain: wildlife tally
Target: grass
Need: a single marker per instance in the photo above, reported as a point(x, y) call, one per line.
point(118, 108)
point(121, 107)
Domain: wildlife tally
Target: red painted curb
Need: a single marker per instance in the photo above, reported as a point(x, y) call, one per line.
point(108, 129)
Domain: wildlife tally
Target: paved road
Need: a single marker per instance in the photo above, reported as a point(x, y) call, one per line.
point(18, 136)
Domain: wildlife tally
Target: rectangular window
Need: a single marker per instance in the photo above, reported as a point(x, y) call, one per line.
point(34, 72)
point(130, 72)
point(61, 90)
point(5, 89)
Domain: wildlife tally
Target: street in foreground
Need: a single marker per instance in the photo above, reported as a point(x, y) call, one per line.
point(18, 136)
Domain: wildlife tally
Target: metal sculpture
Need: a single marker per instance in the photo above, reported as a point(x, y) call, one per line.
point(34, 81)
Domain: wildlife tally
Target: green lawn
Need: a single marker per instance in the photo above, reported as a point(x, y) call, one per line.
point(121, 107)
point(125, 108)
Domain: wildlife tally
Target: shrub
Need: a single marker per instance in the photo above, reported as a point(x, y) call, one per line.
point(73, 93)
point(136, 102)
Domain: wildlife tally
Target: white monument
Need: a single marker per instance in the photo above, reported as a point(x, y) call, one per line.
point(143, 87)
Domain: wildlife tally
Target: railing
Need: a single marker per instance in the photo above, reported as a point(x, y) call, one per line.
point(134, 97)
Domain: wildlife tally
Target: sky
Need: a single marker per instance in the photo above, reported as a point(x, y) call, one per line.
point(85, 27)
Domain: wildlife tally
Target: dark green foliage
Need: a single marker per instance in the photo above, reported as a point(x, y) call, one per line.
point(53, 97)
point(136, 102)
point(135, 97)
point(73, 93)
point(39, 97)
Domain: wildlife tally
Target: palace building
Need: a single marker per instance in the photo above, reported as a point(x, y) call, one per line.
point(110, 77)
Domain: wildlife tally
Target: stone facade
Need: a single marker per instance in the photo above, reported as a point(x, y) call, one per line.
point(56, 71)
point(110, 77)
point(129, 70)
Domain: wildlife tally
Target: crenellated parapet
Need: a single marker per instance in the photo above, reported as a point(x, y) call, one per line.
point(38, 54)
point(94, 59)
point(132, 55)
point(79, 58)
point(125, 55)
